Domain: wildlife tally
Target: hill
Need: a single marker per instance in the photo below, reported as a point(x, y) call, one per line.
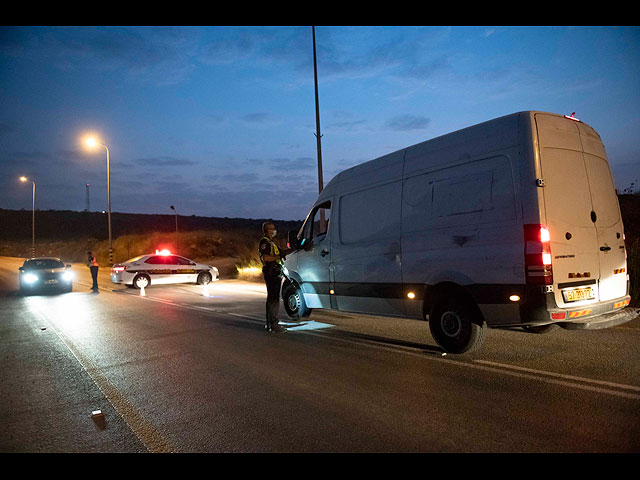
point(68, 234)
point(225, 242)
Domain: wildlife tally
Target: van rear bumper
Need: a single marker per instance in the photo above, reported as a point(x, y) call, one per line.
point(606, 320)
point(543, 310)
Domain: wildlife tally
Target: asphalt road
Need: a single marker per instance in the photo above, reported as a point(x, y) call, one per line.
point(184, 369)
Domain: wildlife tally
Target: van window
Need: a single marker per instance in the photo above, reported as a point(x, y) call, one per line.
point(317, 223)
point(371, 214)
point(466, 193)
point(603, 190)
point(477, 192)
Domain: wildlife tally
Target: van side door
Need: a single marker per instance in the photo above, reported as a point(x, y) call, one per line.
point(367, 254)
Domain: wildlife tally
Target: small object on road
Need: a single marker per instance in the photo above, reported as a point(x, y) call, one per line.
point(98, 418)
point(142, 294)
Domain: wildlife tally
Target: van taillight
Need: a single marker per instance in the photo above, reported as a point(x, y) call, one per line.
point(537, 254)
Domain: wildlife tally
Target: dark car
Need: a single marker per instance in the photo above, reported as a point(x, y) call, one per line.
point(45, 273)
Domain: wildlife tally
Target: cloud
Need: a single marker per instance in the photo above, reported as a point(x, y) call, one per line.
point(161, 55)
point(296, 164)
point(408, 122)
point(165, 161)
point(5, 129)
point(260, 118)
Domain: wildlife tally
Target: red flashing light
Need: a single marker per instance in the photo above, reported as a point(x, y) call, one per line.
point(163, 252)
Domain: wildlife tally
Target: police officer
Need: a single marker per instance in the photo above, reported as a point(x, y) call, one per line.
point(271, 257)
point(92, 263)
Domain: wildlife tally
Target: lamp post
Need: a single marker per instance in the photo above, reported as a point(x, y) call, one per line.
point(33, 216)
point(92, 142)
point(174, 211)
point(318, 135)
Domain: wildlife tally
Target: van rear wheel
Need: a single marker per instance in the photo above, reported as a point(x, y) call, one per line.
point(456, 326)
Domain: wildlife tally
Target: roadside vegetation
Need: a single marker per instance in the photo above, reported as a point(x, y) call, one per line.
point(232, 246)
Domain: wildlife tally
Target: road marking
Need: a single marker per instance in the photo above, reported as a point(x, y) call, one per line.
point(569, 378)
point(505, 369)
point(151, 438)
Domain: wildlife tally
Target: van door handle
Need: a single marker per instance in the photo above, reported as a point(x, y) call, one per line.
point(324, 252)
point(605, 249)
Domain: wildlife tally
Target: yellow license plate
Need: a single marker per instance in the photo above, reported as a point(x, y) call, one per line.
point(578, 294)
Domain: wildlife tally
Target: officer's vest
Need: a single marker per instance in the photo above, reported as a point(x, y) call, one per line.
point(274, 252)
point(94, 262)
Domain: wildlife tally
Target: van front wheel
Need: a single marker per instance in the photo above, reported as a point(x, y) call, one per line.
point(294, 303)
point(456, 326)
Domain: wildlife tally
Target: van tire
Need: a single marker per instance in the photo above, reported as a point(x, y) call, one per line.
point(293, 301)
point(457, 325)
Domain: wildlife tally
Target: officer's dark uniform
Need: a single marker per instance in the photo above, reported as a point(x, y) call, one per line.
point(93, 266)
point(272, 272)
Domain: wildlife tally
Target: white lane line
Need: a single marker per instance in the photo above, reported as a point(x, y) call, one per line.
point(504, 369)
point(561, 375)
point(153, 440)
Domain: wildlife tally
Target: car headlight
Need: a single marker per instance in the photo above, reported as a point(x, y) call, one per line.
point(30, 278)
point(67, 276)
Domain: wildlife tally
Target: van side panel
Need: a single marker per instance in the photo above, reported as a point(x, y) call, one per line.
point(461, 213)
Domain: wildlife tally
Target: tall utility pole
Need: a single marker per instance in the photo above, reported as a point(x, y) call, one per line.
point(87, 203)
point(318, 136)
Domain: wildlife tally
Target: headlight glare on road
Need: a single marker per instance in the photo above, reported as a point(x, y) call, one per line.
point(30, 278)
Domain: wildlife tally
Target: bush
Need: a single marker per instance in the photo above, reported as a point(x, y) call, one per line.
point(633, 265)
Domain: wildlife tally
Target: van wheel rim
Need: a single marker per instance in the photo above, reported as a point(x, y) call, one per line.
point(451, 324)
point(293, 302)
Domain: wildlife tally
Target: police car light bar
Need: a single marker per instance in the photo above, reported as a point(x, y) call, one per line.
point(163, 252)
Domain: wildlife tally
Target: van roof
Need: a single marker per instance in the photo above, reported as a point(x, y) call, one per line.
point(394, 159)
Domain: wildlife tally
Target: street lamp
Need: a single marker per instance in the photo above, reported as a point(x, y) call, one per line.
point(33, 216)
point(174, 211)
point(91, 142)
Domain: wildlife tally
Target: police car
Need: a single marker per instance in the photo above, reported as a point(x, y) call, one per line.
point(162, 268)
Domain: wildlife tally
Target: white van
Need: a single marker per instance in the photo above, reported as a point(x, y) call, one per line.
point(512, 222)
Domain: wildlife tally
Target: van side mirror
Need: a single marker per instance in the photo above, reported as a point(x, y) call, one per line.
point(68, 265)
point(292, 240)
point(21, 269)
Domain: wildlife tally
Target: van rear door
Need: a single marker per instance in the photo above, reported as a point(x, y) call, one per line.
point(582, 213)
point(608, 221)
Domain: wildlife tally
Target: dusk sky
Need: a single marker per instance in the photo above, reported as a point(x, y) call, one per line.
point(220, 121)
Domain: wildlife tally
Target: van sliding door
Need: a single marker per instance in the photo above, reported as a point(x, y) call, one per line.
point(368, 261)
